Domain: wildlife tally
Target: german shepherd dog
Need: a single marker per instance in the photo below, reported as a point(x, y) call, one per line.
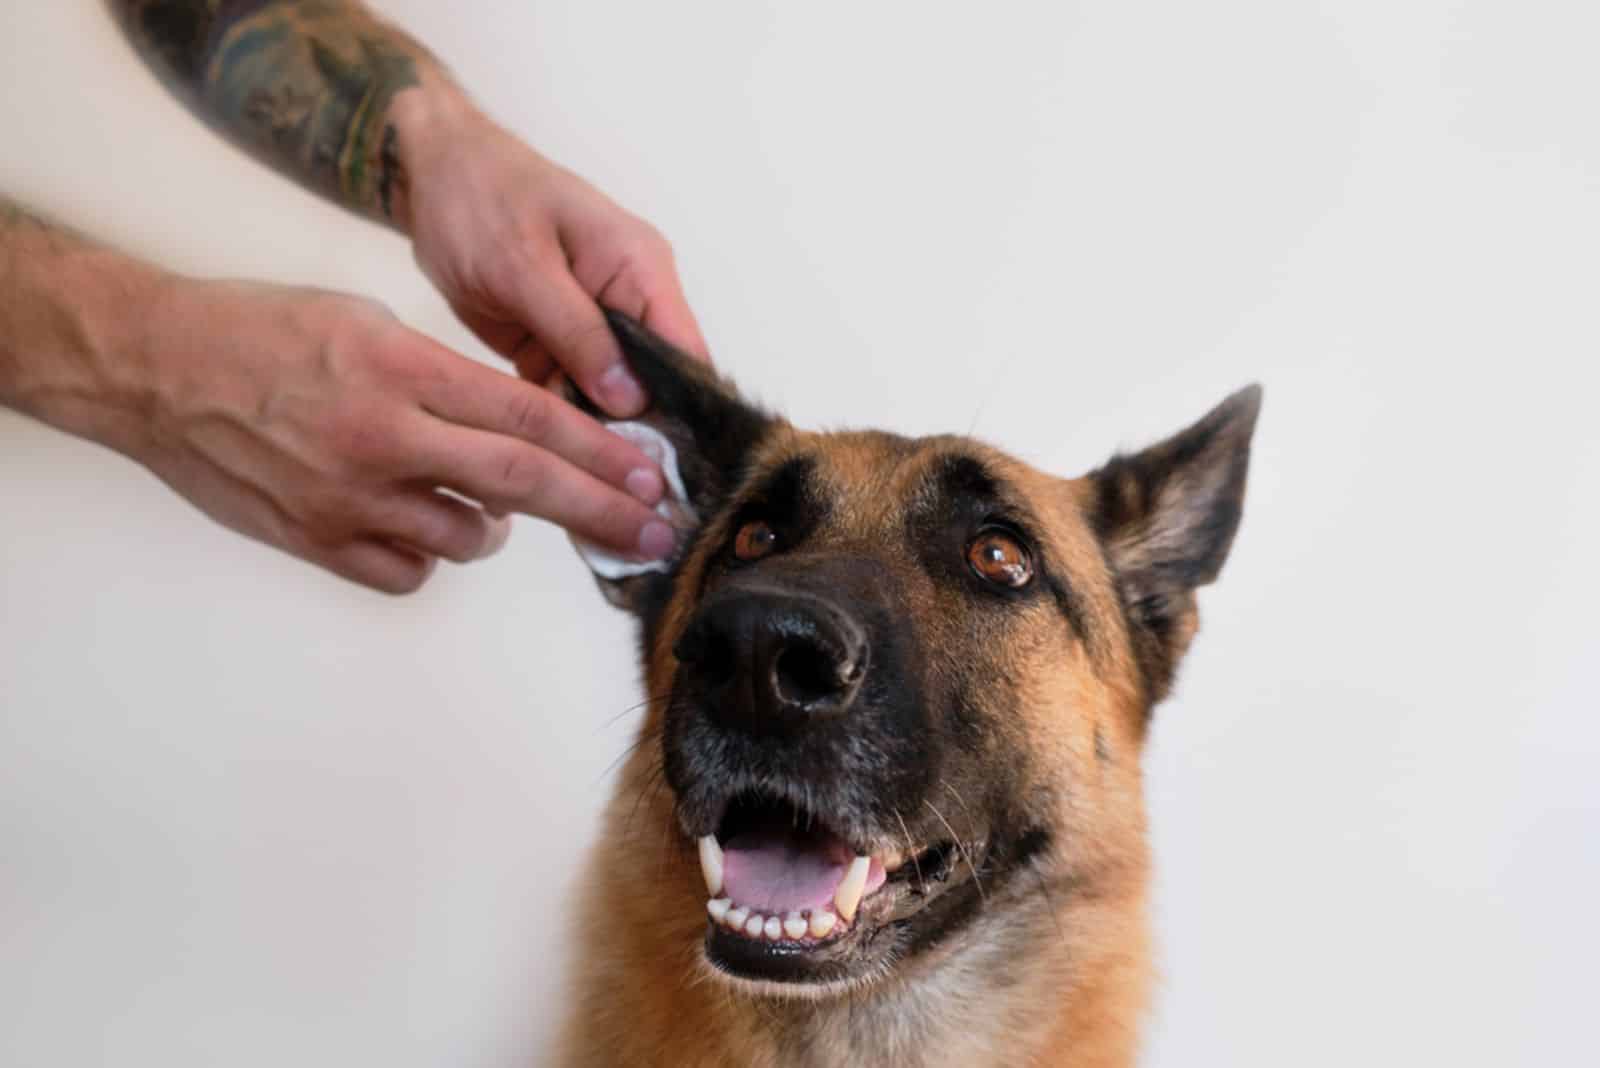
point(885, 804)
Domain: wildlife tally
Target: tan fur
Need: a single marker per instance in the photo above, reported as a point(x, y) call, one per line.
point(1049, 974)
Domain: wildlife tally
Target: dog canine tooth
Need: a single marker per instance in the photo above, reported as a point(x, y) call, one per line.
point(755, 925)
point(848, 895)
point(773, 929)
point(718, 907)
point(794, 925)
point(711, 864)
point(822, 922)
point(735, 918)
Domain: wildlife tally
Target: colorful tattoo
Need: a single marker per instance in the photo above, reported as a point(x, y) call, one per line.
point(305, 84)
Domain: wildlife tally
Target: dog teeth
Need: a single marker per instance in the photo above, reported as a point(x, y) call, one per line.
point(711, 863)
point(892, 862)
point(848, 896)
point(795, 927)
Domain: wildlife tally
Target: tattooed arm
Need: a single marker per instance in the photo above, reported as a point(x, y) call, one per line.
point(309, 420)
point(308, 87)
point(356, 110)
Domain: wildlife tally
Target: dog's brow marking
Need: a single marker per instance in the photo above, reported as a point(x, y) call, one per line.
point(911, 850)
point(961, 848)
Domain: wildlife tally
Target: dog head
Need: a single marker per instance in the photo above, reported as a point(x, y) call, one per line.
point(900, 686)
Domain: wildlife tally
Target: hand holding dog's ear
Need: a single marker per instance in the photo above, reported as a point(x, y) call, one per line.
point(711, 429)
point(525, 251)
point(1167, 516)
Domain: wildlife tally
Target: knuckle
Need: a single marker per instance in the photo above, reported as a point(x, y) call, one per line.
point(522, 476)
point(525, 256)
point(325, 520)
point(529, 413)
point(360, 443)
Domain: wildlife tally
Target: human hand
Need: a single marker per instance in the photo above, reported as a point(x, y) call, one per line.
point(526, 252)
point(318, 423)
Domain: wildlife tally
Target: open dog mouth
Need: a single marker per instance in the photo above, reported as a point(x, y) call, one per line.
point(785, 888)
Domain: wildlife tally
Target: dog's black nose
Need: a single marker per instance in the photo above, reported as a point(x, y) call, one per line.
point(771, 661)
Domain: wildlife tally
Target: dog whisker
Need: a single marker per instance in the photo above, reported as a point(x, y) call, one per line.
point(911, 851)
point(649, 700)
point(654, 779)
point(961, 847)
point(632, 747)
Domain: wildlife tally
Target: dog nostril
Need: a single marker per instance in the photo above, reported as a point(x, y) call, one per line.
point(805, 674)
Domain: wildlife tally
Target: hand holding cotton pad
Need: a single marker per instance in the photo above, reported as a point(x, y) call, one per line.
point(674, 506)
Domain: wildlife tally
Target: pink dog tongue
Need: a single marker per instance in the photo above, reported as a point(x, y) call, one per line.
point(777, 873)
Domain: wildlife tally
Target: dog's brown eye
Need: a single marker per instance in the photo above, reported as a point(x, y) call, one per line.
point(754, 540)
point(999, 558)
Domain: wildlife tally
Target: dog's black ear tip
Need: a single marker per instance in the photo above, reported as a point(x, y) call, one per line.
point(653, 358)
point(1248, 400)
point(630, 333)
point(1239, 411)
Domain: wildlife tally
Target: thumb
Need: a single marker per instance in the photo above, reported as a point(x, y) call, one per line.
point(569, 327)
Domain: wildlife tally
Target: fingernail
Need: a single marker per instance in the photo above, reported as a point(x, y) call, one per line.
point(644, 484)
point(656, 540)
point(620, 392)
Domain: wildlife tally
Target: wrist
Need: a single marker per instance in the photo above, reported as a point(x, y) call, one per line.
point(70, 320)
point(421, 119)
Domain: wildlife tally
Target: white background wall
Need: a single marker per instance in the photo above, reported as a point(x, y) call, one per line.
point(251, 816)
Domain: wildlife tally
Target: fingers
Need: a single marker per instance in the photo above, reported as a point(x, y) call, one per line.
point(511, 340)
point(384, 567)
point(511, 475)
point(438, 525)
point(570, 327)
point(408, 534)
point(478, 397)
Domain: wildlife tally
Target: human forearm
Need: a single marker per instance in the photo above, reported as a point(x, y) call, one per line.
point(309, 86)
point(68, 310)
point(313, 421)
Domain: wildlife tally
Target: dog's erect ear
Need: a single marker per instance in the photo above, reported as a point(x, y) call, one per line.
point(703, 416)
point(712, 430)
point(1167, 517)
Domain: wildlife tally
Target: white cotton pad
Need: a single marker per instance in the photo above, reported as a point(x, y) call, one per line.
point(674, 506)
